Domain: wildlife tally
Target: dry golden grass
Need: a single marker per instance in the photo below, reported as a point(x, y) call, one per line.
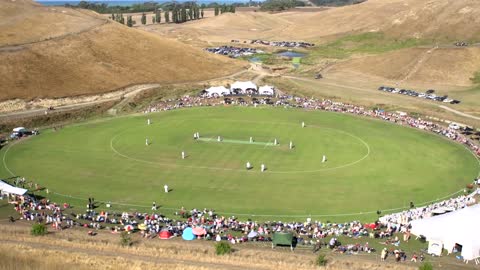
point(102, 59)
point(24, 21)
point(78, 250)
point(432, 69)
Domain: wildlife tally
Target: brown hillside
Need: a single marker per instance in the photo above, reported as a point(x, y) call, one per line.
point(100, 59)
point(449, 66)
point(24, 21)
point(431, 19)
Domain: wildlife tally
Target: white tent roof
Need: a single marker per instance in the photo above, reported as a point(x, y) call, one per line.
point(18, 129)
point(458, 227)
point(219, 90)
point(243, 85)
point(266, 89)
point(4, 187)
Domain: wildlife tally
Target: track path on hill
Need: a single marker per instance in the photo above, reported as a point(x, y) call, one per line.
point(458, 112)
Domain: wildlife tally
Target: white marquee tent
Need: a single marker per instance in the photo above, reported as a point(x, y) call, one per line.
point(459, 227)
point(217, 90)
point(243, 87)
point(8, 189)
point(266, 90)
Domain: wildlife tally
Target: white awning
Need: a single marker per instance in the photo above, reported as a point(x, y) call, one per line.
point(243, 86)
point(217, 90)
point(266, 90)
point(458, 227)
point(6, 188)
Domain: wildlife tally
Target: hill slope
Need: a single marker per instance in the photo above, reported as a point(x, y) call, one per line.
point(88, 57)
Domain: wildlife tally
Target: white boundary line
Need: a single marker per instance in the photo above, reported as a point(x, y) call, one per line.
point(239, 170)
point(260, 215)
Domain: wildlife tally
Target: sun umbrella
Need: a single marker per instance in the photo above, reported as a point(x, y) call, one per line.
point(165, 235)
point(128, 228)
point(252, 234)
point(188, 234)
point(142, 227)
point(199, 231)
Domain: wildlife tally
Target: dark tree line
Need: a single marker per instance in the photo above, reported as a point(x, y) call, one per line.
point(220, 9)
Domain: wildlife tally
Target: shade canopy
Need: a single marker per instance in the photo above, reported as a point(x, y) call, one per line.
point(458, 227)
point(165, 235)
point(217, 91)
point(199, 231)
point(188, 234)
point(9, 189)
point(282, 238)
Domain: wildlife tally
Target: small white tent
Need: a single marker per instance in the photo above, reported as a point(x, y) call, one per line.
point(459, 227)
point(217, 91)
point(8, 189)
point(243, 87)
point(266, 90)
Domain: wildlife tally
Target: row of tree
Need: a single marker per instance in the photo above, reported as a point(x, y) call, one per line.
point(178, 14)
point(224, 9)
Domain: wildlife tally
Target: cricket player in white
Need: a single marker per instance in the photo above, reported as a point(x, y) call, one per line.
point(219, 139)
point(146, 142)
point(275, 142)
point(303, 124)
point(262, 168)
point(148, 121)
point(324, 158)
point(251, 139)
point(165, 188)
point(183, 154)
point(249, 165)
point(291, 145)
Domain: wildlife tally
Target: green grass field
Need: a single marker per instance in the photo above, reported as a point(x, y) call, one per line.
point(371, 164)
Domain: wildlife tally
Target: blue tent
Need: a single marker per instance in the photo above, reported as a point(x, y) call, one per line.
point(188, 234)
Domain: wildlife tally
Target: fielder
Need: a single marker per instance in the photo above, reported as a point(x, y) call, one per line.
point(146, 142)
point(183, 154)
point(324, 159)
point(291, 145)
point(249, 166)
point(262, 168)
point(165, 188)
point(251, 139)
point(219, 139)
point(303, 124)
point(148, 121)
point(275, 142)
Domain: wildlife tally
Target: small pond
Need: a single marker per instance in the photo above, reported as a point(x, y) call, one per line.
point(291, 54)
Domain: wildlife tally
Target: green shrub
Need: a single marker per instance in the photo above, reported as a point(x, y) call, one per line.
point(321, 260)
point(38, 229)
point(223, 248)
point(125, 239)
point(426, 266)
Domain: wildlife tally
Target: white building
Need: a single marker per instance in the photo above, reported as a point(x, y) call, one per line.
point(243, 88)
point(266, 90)
point(217, 91)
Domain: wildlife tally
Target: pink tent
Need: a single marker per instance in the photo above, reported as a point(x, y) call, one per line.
point(199, 231)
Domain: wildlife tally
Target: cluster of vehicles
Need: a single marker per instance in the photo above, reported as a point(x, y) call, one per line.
point(285, 44)
point(460, 44)
point(20, 132)
point(233, 52)
point(429, 94)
